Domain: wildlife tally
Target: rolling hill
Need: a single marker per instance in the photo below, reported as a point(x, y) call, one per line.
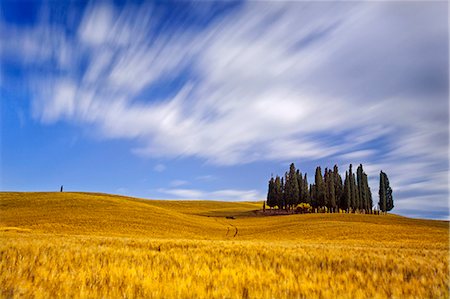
point(97, 245)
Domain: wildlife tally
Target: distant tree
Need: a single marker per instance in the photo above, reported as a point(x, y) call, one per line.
point(319, 188)
point(271, 196)
point(300, 185)
point(365, 196)
point(312, 195)
point(326, 200)
point(291, 188)
point(278, 192)
point(389, 198)
point(360, 184)
point(368, 193)
point(370, 203)
point(346, 194)
point(283, 189)
point(382, 192)
point(338, 187)
point(386, 202)
point(331, 192)
point(354, 193)
point(305, 192)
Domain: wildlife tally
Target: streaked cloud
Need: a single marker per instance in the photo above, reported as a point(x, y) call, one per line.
point(355, 83)
point(223, 195)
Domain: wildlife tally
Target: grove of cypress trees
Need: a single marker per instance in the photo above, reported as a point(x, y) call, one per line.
point(328, 190)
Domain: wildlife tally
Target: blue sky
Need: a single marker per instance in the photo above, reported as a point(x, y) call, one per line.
point(205, 100)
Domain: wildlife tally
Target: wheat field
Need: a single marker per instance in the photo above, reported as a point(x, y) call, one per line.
point(97, 245)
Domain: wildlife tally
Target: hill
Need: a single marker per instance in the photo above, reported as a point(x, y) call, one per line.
point(89, 244)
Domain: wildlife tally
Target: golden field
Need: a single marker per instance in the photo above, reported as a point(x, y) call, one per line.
point(98, 245)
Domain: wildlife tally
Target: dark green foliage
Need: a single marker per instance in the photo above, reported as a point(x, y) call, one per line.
point(319, 188)
point(360, 183)
point(354, 192)
point(382, 193)
point(386, 202)
point(271, 196)
point(346, 194)
point(365, 196)
point(312, 195)
point(338, 188)
point(305, 196)
point(370, 203)
point(330, 189)
point(291, 189)
point(389, 198)
point(278, 193)
point(300, 185)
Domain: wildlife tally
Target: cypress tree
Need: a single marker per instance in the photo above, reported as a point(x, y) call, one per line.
point(369, 197)
point(319, 188)
point(278, 194)
point(305, 192)
point(338, 188)
point(361, 188)
point(331, 190)
point(300, 185)
point(271, 197)
point(326, 201)
point(283, 193)
point(347, 194)
point(352, 188)
point(355, 193)
point(291, 187)
point(382, 192)
point(313, 195)
point(386, 202)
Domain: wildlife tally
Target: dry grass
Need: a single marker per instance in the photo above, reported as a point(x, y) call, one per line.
point(84, 245)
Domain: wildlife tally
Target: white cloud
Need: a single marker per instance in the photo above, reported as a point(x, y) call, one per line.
point(97, 24)
point(225, 195)
point(61, 102)
point(421, 203)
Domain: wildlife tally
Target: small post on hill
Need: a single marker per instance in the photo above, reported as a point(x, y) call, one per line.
point(62, 187)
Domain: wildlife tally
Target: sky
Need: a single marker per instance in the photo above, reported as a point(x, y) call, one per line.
point(206, 100)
